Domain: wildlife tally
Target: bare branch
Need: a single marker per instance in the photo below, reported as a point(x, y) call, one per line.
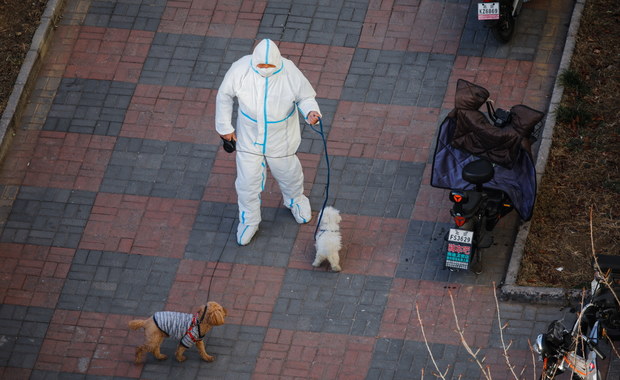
point(460, 331)
point(529, 343)
point(501, 336)
point(417, 310)
point(605, 277)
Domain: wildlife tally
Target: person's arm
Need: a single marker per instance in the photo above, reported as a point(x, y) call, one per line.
point(224, 104)
point(306, 96)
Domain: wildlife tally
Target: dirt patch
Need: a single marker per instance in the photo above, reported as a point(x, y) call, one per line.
point(582, 172)
point(19, 20)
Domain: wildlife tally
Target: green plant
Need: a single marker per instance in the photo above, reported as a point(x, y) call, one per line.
point(571, 80)
point(569, 114)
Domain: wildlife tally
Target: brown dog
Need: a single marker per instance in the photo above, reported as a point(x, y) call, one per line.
point(188, 328)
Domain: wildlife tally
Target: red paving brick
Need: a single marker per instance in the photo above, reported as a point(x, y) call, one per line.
point(298, 354)
point(423, 27)
point(429, 200)
point(474, 306)
point(220, 18)
point(370, 246)
point(17, 161)
point(69, 160)
point(33, 275)
point(248, 292)
point(506, 80)
point(109, 54)
point(383, 131)
point(90, 343)
point(326, 67)
point(139, 225)
point(171, 114)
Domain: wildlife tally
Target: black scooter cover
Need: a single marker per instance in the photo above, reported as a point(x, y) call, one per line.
point(519, 182)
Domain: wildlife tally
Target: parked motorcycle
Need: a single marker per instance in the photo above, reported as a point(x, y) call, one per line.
point(575, 351)
point(475, 213)
point(500, 16)
point(486, 162)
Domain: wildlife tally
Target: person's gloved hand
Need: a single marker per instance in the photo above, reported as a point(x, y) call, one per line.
point(313, 117)
point(229, 142)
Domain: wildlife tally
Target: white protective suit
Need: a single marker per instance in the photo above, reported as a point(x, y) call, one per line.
point(268, 130)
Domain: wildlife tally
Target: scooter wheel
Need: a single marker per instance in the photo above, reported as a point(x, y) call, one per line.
point(504, 29)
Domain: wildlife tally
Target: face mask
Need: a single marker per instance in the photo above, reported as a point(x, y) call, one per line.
point(265, 71)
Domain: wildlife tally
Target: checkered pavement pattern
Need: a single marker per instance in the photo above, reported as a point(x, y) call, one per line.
point(117, 200)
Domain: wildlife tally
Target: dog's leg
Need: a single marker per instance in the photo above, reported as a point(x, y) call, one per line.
point(154, 338)
point(318, 260)
point(156, 346)
point(334, 262)
point(140, 350)
point(179, 354)
point(200, 345)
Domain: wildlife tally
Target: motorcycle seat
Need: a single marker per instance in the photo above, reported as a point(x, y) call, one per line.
point(478, 172)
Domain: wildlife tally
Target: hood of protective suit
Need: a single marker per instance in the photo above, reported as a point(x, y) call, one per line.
point(266, 52)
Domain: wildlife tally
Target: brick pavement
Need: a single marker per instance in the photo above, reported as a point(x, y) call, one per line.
point(117, 201)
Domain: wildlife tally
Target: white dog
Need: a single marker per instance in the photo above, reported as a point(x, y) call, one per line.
point(328, 240)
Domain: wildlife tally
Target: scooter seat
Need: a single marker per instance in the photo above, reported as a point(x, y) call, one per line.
point(478, 172)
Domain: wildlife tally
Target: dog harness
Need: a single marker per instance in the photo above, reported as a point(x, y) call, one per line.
point(182, 326)
point(321, 231)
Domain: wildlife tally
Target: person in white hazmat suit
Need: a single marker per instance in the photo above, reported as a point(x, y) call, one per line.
point(269, 90)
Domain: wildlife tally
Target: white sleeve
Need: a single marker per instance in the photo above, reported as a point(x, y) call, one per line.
point(305, 96)
point(224, 102)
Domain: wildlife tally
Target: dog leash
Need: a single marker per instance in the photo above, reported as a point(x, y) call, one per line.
point(204, 312)
point(197, 322)
point(322, 133)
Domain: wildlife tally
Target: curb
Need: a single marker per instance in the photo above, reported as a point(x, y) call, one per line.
point(28, 74)
point(509, 290)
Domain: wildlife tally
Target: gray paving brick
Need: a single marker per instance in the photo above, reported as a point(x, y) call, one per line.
point(311, 141)
point(477, 40)
point(398, 359)
point(335, 303)
point(46, 216)
point(158, 168)
point(235, 347)
point(213, 236)
point(191, 61)
point(423, 254)
point(23, 330)
point(89, 106)
point(388, 188)
point(337, 23)
point(521, 326)
point(125, 14)
point(398, 77)
point(93, 283)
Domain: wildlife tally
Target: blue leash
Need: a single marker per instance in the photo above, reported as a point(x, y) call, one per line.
point(320, 132)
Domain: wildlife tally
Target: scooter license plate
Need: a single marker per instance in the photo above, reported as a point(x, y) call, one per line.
point(488, 11)
point(459, 251)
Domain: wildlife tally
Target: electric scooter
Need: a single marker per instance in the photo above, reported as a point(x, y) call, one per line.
point(486, 163)
point(500, 16)
point(576, 351)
